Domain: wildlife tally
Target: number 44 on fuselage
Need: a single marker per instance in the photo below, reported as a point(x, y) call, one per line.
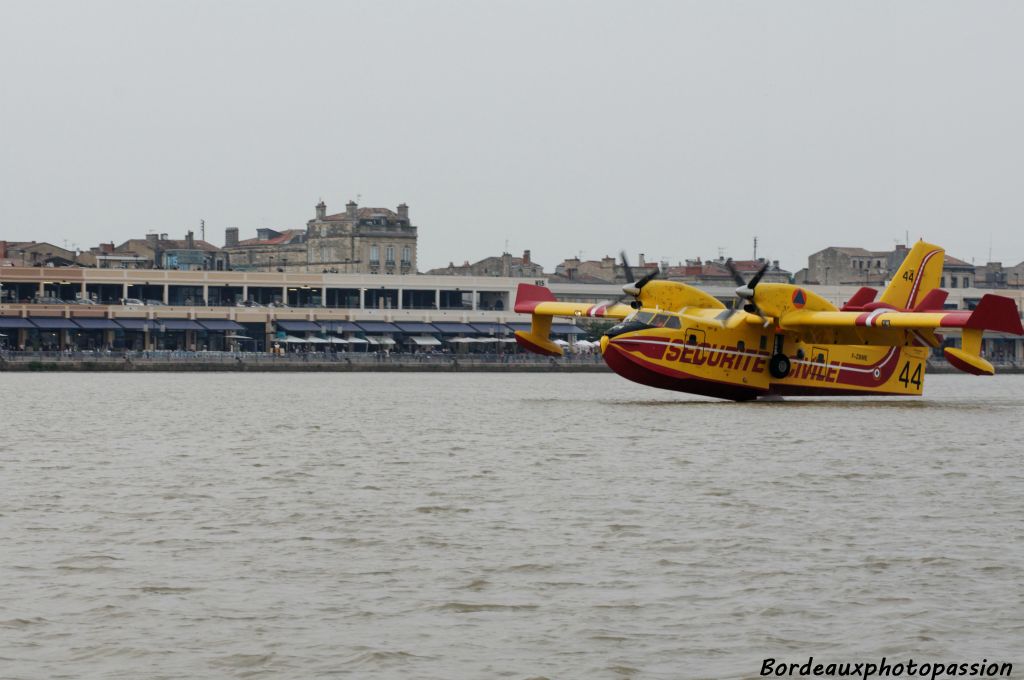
point(781, 339)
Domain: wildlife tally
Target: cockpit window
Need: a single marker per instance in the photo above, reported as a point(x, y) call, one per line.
point(643, 317)
point(656, 320)
point(665, 321)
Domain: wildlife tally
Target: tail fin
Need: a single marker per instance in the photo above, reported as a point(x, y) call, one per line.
point(917, 276)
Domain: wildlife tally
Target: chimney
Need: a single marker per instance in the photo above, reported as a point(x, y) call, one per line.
point(506, 264)
point(526, 257)
point(151, 240)
point(321, 210)
point(190, 240)
point(640, 260)
point(351, 210)
point(403, 211)
point(231, 237)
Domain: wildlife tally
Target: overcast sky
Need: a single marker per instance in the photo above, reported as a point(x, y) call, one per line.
point(669, 128)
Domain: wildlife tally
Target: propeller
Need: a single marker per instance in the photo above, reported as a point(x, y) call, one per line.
point(745, 291)
point(632, 289)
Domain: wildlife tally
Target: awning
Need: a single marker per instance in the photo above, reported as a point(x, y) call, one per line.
point(237, 337)
point(455, 328)
point(378, 327)
point(97, 324)
point(135, 324)
point(416, 328)
point(15, 322)
point(292, 340)
point(425, 340)
point(380, 341)
point(176, 325)
point(221, 325)
point(294, 326)
point(317, 341)
point(334, 340)
point(461, 340)
point(53, 323)
point(355, 341)
point(491, 328)
point(339, 326)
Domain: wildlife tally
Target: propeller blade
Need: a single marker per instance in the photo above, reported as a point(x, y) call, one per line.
point(647, 278)
point(757, 277)
point(735, 274)
point(625, 268)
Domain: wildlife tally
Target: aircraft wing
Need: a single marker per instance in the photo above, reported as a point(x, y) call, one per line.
point(542, 305)
point(539, 300)
point(993, 313)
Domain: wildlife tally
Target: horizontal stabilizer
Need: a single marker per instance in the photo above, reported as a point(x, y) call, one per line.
point(529, 296)
point(934, 301)
point(859, 299)
point(996, 313)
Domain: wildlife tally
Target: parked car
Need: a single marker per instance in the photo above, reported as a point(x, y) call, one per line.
point(47, 300)
point(133, 302)
point(82, 301)
point(155, 303)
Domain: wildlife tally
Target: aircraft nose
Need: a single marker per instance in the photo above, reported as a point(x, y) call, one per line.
point(604, 344)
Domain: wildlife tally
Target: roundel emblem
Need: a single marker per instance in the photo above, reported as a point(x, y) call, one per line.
point(799, 298)
point(877, 373)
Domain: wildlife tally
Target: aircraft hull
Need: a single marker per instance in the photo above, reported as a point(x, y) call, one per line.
point(724, 365)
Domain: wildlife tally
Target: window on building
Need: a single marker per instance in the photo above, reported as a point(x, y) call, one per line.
point(406, 255)
point(375, 254)
point(952, 282)
point(390, 254)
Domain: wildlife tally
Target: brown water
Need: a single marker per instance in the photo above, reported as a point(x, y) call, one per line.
point(498, 526)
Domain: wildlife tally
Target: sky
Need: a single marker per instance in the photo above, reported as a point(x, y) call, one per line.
point(675, 129)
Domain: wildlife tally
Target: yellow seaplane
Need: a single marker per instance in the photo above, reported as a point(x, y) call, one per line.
point(778, 338)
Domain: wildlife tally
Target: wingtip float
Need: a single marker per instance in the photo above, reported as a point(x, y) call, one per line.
point(781, 339)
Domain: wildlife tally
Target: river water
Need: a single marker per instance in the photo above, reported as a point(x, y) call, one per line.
point(498, 526)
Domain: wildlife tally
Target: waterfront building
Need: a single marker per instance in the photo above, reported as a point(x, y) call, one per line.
point(35, 254)
point(716, 272)
point(196, 309)
point(496, 265)
point(271, 250)
point(357, 241)
point(193, 309)
point(157, 251)
point(846, 266)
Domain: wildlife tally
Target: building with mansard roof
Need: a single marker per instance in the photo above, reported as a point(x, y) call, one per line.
point(357, 241)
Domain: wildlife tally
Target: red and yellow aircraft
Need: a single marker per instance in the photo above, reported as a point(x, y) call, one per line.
point(786, 340)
